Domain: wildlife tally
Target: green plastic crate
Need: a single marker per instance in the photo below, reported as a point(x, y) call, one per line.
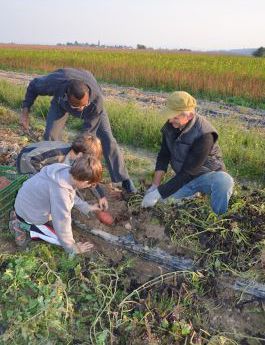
point(8, 194)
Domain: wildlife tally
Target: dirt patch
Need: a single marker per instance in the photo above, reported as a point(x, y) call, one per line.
point(141, 270)
point(117, 208)
point(235, 313)
point(142, 226)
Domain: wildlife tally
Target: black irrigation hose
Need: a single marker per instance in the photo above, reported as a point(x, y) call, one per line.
point(168, 261)
point(250, 287)
point(156, 255)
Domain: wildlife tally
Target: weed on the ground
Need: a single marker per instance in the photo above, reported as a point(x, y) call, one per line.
point(47, 296)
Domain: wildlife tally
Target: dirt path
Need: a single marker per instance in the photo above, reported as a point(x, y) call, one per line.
point(155, 100)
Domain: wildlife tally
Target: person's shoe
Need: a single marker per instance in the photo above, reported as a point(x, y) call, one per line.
point(19, 230)
point(129, 187)
point(12, 216)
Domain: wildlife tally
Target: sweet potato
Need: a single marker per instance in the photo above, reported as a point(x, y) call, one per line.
point(104, 217)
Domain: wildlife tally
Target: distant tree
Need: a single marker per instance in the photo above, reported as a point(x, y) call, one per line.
point(260, 52)
point(141, 46)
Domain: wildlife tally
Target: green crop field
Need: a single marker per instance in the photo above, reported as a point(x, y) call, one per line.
point(240, 80)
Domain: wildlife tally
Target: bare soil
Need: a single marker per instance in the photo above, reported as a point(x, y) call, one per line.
point(144, 228)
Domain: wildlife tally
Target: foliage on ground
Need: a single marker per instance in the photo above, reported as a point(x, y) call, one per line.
point(47, 296)
point(234, 242)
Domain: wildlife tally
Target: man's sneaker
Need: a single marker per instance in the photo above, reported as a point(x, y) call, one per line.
point(128, 186)
point(19, 229)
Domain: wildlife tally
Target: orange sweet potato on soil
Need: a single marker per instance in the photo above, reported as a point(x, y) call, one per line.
point(104, 217)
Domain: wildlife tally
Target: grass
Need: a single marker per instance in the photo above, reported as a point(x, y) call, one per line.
point(49, 297)
point(240, 80)
point(233, 242)
point(243, 149)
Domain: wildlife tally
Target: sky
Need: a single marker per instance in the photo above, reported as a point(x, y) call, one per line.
point(173, 24)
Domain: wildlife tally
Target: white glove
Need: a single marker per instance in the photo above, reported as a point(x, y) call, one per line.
point(151, 189)
point(151, 198)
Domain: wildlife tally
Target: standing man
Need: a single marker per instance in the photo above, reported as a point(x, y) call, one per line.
point(189, 143)
point(76, 92)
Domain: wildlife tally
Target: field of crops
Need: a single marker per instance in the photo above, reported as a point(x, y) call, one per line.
point(235, 79)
